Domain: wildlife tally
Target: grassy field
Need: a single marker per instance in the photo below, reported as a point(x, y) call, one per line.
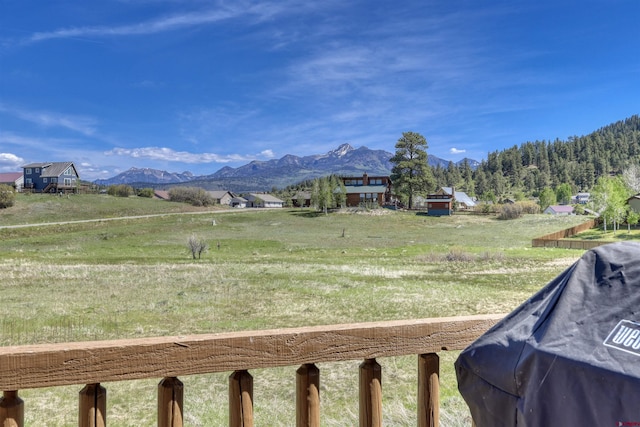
point(264, 269)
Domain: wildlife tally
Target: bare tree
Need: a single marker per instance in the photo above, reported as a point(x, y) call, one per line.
point(197, 246)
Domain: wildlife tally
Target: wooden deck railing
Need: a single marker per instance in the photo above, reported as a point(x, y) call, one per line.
point(91, 363)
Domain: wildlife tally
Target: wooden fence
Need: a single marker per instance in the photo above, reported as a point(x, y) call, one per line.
point(88, 364)
point(559, 239)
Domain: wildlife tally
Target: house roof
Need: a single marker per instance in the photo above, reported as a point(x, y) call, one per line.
point(10, 176)
point(219, 194)
point(561, 208)
point(35, 165)
point(303, 194)
point(266, 198)
point(162, 194)
point(460, 196)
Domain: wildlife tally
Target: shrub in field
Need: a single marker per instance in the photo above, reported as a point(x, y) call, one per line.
point(485, 208)
point(120, 190)
point(193, 195)
point(7, 196)
point(145, 192)
point(510, 211)
point(529, 207)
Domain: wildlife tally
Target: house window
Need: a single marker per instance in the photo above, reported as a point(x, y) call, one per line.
point(67, 182)
point(367, 197)
point(28, 181)
point(44, 180)
point(67, 172)
point(37, 170)
point(27, 171)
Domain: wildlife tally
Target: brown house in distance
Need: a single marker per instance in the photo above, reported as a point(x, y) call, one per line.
point(367, 189)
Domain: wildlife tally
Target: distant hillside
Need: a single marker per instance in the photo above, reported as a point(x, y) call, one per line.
point(146, 175)
point(278, 173)
point(536, 165)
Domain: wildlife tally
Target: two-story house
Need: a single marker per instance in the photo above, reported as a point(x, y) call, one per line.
point(53, 177)
point(367, 189)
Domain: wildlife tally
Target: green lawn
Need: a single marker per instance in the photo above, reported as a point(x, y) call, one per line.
point(264, 269)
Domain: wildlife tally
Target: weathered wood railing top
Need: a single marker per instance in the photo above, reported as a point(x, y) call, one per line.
point(94, 362)
point(46, 365)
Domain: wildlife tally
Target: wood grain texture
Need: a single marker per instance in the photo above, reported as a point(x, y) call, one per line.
point(170, 402)
point(48, 365)
point(428, 390)
point(370, 394)
point(308, 396)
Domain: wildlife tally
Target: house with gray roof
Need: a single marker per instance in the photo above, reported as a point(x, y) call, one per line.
point(263, 200)
point(53, 177)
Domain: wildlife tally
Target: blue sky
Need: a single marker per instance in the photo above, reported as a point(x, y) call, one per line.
point(198, 85)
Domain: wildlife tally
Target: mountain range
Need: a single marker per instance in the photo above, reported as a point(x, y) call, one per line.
point(279, 173)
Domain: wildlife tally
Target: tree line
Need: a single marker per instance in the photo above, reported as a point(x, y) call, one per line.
point(528, 169)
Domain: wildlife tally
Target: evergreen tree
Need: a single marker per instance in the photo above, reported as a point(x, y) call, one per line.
point(411, 173)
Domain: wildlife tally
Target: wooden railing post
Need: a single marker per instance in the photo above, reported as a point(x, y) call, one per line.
point(240, 399)
point(170, 400)
point(370, 394)
point(93, 406)
point(11, 410)
point(308, 396)
point(428, 390)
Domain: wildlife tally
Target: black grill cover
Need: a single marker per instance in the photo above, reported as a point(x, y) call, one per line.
point(569, 356)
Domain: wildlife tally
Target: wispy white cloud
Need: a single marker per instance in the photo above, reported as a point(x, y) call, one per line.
point(81, 124)
point(205, 124)
point(170, 155)
point(224, 11)
point(454, 150)
point(149, 27)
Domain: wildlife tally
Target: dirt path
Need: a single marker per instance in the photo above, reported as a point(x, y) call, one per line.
point(119, 218)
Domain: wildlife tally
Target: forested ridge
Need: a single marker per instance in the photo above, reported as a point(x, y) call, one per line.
point(528, 169)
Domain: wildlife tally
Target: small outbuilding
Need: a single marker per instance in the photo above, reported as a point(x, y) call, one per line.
point(439, 204)
point(559, 210)
point(12, 179)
